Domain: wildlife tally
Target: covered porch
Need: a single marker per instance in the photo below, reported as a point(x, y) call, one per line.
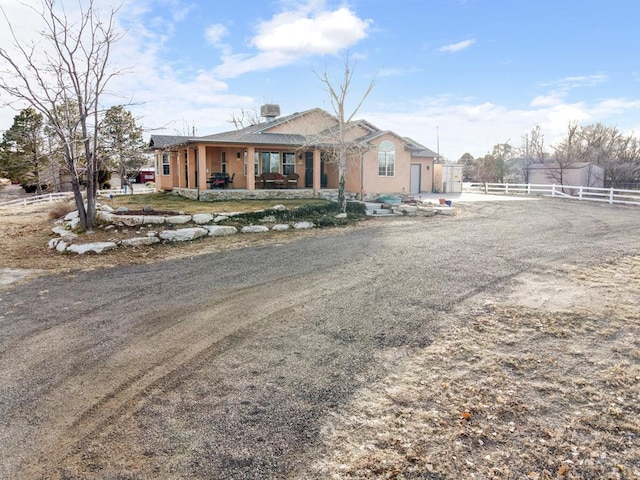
point(205, 167)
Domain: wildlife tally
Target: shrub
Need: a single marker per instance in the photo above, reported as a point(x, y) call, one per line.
point(61, 208)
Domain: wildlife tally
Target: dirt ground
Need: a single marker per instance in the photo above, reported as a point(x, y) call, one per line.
point(542, 384)
point(26, 230)
point(540, 380)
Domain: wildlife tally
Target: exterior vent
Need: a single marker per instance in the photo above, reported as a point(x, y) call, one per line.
point(270, 111)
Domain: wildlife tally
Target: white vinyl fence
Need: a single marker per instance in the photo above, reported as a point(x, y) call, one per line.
point(593, 194)
point(53, 197)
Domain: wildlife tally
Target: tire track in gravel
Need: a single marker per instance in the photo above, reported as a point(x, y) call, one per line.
point(165, 370)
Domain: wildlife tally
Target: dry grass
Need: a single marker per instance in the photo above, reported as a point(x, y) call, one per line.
point(26, 231)
point(506, 392)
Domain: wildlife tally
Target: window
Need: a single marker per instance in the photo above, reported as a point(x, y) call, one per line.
point(166, 165)
point(270, 162)
point(288, 163)
point(224, 162)
point(386, 159)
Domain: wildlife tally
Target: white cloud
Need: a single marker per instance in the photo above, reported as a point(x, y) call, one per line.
point(568, 83)
point(215, 33)
point(288, 36)
point(548, 100)
point(475, 127)
point(456, 47)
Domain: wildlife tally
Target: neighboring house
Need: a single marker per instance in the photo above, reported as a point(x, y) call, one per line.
point(300, 146)
point(579, 174)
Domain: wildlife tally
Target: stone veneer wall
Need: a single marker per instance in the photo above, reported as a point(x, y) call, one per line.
point(231, 194)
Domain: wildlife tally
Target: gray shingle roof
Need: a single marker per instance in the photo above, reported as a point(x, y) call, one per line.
point(162, 141)
point(260, 134)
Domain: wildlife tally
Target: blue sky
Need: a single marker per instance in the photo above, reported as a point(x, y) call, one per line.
point(461, 75)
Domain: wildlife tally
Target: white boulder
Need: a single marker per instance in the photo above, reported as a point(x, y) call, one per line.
point(254, 229)
point(183, 234)
point(96, 247)
point(202, 218)
point(280, 227)
point(152, 219)
point(303, 225)
point(221, 230)
point(139, 241)
point(178, 219)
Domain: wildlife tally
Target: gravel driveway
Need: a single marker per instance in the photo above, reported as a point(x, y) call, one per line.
point(224, 365)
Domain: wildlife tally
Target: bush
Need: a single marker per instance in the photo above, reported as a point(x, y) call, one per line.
point(322, 215)
point(106, 186)
point(61, 208)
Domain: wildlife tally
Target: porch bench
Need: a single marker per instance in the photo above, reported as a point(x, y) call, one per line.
point(273, 180)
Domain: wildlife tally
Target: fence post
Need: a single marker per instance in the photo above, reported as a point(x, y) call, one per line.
point(486, 188)
point(611, 196)
point(553, 190)
point(580, 193)
point(506, 188)
point(528, 189)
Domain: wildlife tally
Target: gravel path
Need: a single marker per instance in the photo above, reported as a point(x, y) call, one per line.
point(224, 365)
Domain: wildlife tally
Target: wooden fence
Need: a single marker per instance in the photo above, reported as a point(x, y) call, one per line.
point(593, 194)
point(53, 197)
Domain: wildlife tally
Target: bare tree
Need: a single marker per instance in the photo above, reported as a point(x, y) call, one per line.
point(567, 153)
point(531, 151)
point(69, 70)
point(337, 143)
point(246, 118)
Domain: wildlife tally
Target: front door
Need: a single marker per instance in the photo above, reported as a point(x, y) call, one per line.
point(308, 169)
point(415, 178)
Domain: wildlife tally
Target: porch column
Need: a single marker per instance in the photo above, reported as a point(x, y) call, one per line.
point(201, 168)
point(251, 175)
point(191, 155)
point(180, 160)
point(316, 170)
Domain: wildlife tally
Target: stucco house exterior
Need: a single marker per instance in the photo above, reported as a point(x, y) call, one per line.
point(299, 148)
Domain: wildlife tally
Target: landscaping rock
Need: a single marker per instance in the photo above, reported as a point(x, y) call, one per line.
point(183, 234)
point(128, 220)
point(97, 247)
point(153, 219)
point(303, 225)
point(268, 219)
point(280, 227)
point(202, 218)
point(71, 215)
point(254, 229)
point(74, 223)
point(62, 231)
point(221, 230)
point(104, 217)
point(341, 215)
point(279, 208)
point(178, 219)
point(61, 246)
point(139, 241)
point(220, 218)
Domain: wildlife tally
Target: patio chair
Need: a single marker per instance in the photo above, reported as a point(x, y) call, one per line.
point(291, 180)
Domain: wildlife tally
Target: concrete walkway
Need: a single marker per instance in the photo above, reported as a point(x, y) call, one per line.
point(467, 197)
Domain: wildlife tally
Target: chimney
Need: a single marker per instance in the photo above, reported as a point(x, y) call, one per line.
point(270, 111)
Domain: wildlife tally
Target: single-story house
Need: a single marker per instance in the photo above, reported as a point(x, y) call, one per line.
point(298, 151)
point(578, 174)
